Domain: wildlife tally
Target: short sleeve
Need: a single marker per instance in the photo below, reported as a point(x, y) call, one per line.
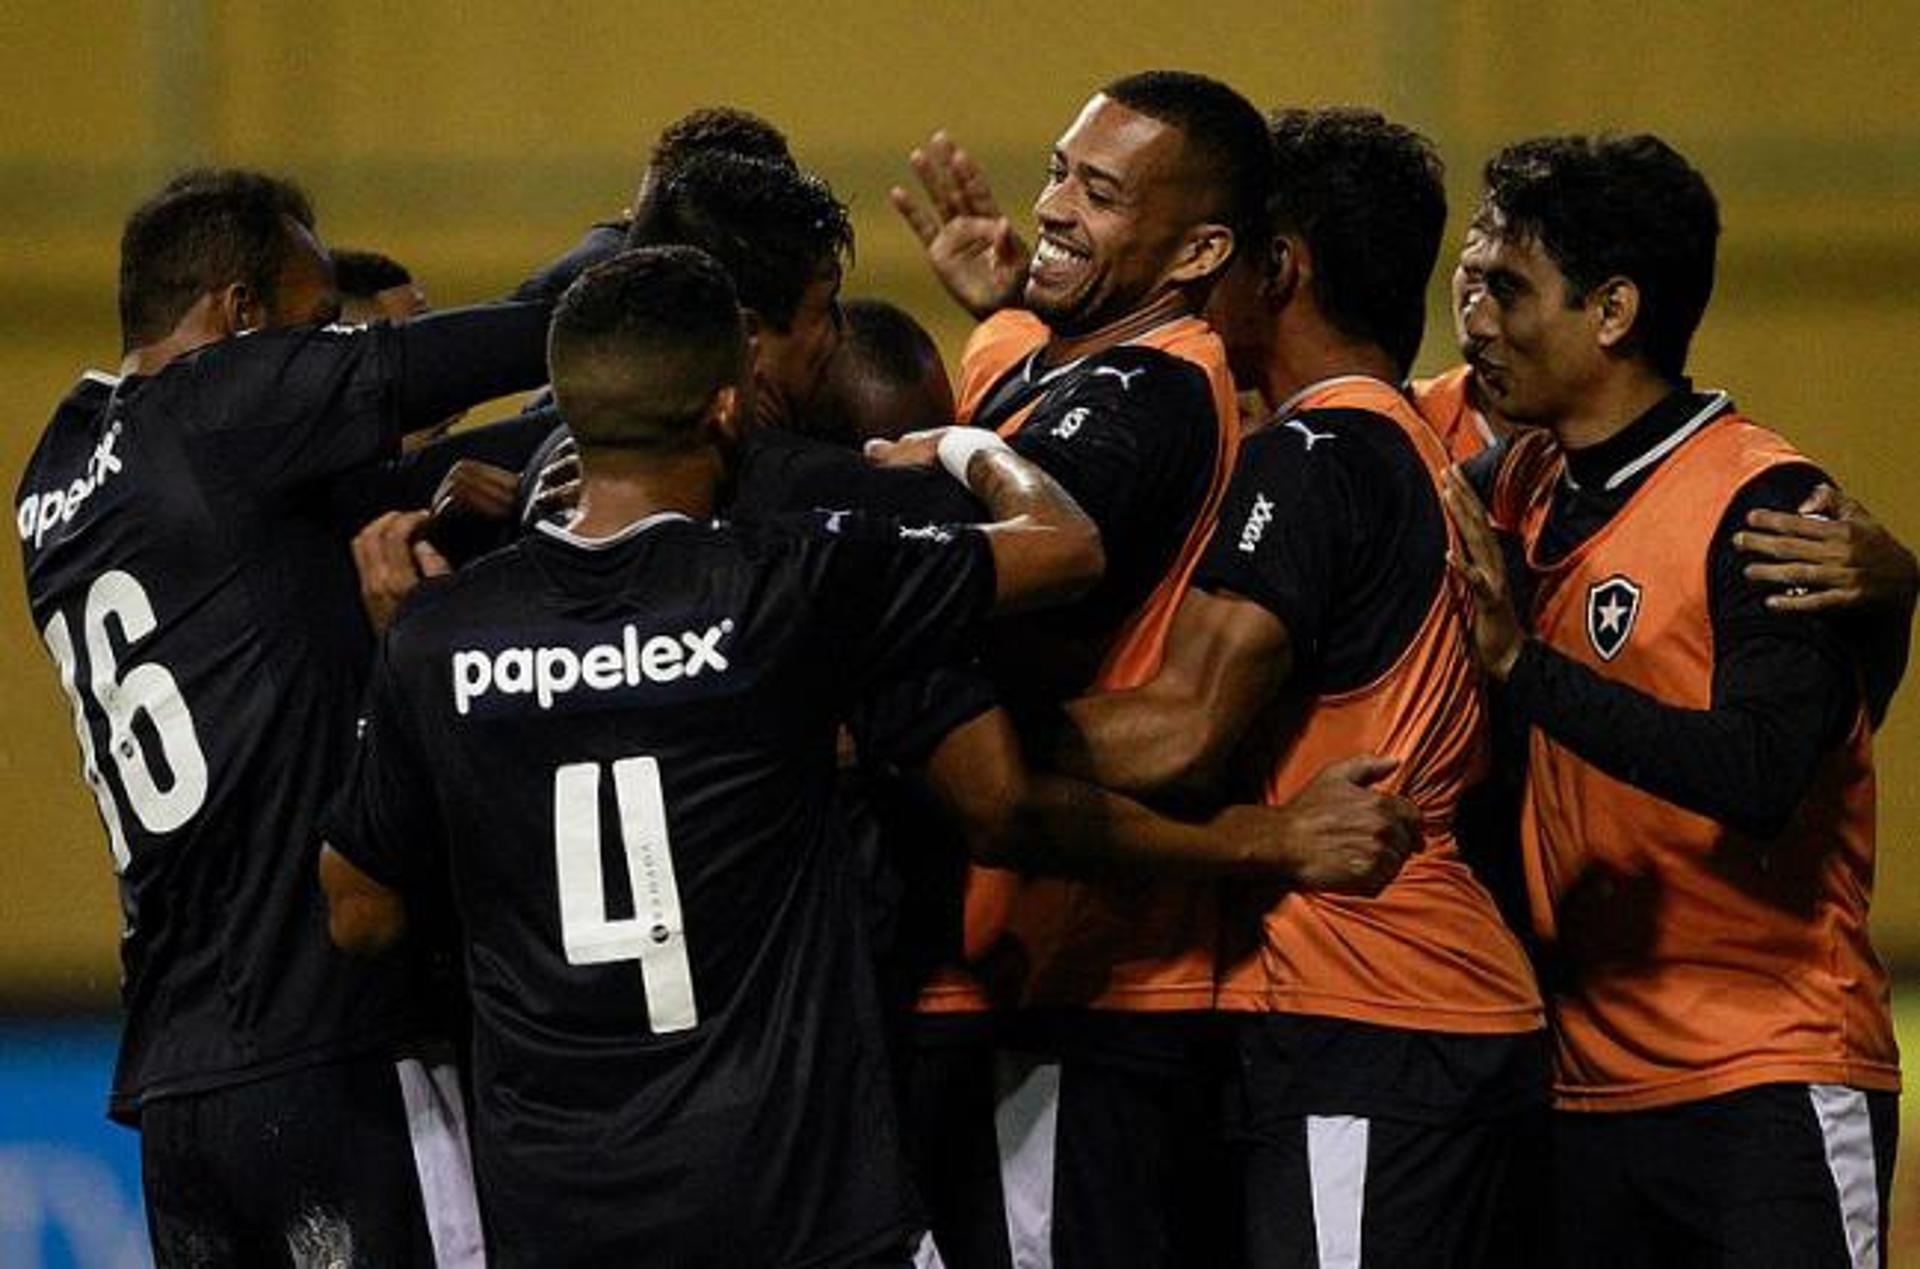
point(895, 600)
point(284, 408)
point(1284, 527)
point(1129, 428)
point(383, 819)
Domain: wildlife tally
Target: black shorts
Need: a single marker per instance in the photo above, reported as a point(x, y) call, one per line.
point(1362, 1146)
point(1088, 1143)
point(323, 1165)
point(1788, 1175)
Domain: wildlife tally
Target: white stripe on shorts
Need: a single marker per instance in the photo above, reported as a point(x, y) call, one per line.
point(1846, 1129)
point(437, 1124)
point(1337, 1173)
point(1026, 1117)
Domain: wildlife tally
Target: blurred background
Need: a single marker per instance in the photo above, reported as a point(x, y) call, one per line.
point(473, 140)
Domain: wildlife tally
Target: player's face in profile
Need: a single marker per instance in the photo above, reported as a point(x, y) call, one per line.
point(1111, 217)
point(790, 365)
point(1531, 351)
point(304, 294)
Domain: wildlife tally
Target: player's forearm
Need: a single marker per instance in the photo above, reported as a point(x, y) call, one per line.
point(1046, 550)
point(1066, 827)
point(1137, 742)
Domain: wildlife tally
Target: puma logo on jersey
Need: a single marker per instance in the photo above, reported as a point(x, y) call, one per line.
point(1257, 521)
point(548, 673)
point(1070, 423)
point(39, 513)
point(1312, 436)
point(1126, 377)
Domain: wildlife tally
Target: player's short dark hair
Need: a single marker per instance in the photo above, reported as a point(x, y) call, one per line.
point(639, 345)
point(727, 129)
point(1225, 137)
point(361, 274)
point(1615, 206)
point(1369, 199)
point(887, 340)
point(205, 229)
point(775, 229)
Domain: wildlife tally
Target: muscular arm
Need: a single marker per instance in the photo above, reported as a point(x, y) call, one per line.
point(1336, 835)
point(1226, 659)
point(1046, 551)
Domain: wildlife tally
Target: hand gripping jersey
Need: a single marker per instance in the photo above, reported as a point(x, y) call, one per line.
point(1134, 945)
point(1429, 952)
point(619, 754)
point(1447, 406)
point(205, 622)
point(1696, 960)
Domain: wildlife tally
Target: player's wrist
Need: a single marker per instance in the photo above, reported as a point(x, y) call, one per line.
point(960, 445)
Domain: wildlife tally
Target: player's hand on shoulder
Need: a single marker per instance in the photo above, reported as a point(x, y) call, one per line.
point(1337, 835)
point(392, 557)
point(970, 242)
point(1497, 637)
point(912, 449)
point(1831, 553)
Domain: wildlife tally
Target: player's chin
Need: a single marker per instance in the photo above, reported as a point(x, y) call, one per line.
point(1062, 308)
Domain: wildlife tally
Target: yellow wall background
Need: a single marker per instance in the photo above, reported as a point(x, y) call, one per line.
point(472, 139)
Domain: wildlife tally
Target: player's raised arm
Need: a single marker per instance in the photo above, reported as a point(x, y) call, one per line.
point(970, 243)
point(1046, 550)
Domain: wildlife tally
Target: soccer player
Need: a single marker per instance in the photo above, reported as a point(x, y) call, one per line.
point(614, 740)
point(1699, 812)
point(886, 379)
point(375, 287)
point(201, 612)
point(1094, 362)
point(1388, 1047)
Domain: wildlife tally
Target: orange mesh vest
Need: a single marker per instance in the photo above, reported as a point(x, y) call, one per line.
point(1444, 403)
point(1430, 951)
point(1145, 945)
point(1697, 960)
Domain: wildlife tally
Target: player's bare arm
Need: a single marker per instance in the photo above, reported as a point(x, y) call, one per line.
point(969, 241)
point(1226, 658)
point(1832, 554)
point(362, 915)
point(1046, 550)
point(1336, 835)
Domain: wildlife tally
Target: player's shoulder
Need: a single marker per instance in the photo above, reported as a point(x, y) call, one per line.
point(1138, 379)
point(1349, 437)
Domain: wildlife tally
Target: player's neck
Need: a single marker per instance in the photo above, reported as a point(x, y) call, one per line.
point(1162, 309)
point(1309, 352)
point(198, 328)
point(1612, 405)
point(619, 487)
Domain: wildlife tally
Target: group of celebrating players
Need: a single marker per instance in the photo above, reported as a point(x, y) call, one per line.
point(1185, 795)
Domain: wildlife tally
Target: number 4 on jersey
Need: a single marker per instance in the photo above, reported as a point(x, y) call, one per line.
point(655, 934)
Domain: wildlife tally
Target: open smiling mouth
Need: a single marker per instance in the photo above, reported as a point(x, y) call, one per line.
point(1051, 258)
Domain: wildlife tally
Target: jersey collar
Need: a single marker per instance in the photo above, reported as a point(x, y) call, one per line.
point(564, 532)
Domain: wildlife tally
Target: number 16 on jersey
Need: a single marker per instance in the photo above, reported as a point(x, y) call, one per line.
point(655, 934)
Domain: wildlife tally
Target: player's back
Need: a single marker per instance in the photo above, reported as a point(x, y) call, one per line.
point(205, 623)
point(629, 747)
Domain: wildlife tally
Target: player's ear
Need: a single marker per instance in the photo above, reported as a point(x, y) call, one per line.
point(726, 416)
point(1206, 252)
point(235, 308)
point(1287, 268)
point(1615, 304)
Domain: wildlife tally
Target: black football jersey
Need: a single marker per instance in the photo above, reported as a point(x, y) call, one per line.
point(619, 755)
point(204, 619)
point(1131, 433)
